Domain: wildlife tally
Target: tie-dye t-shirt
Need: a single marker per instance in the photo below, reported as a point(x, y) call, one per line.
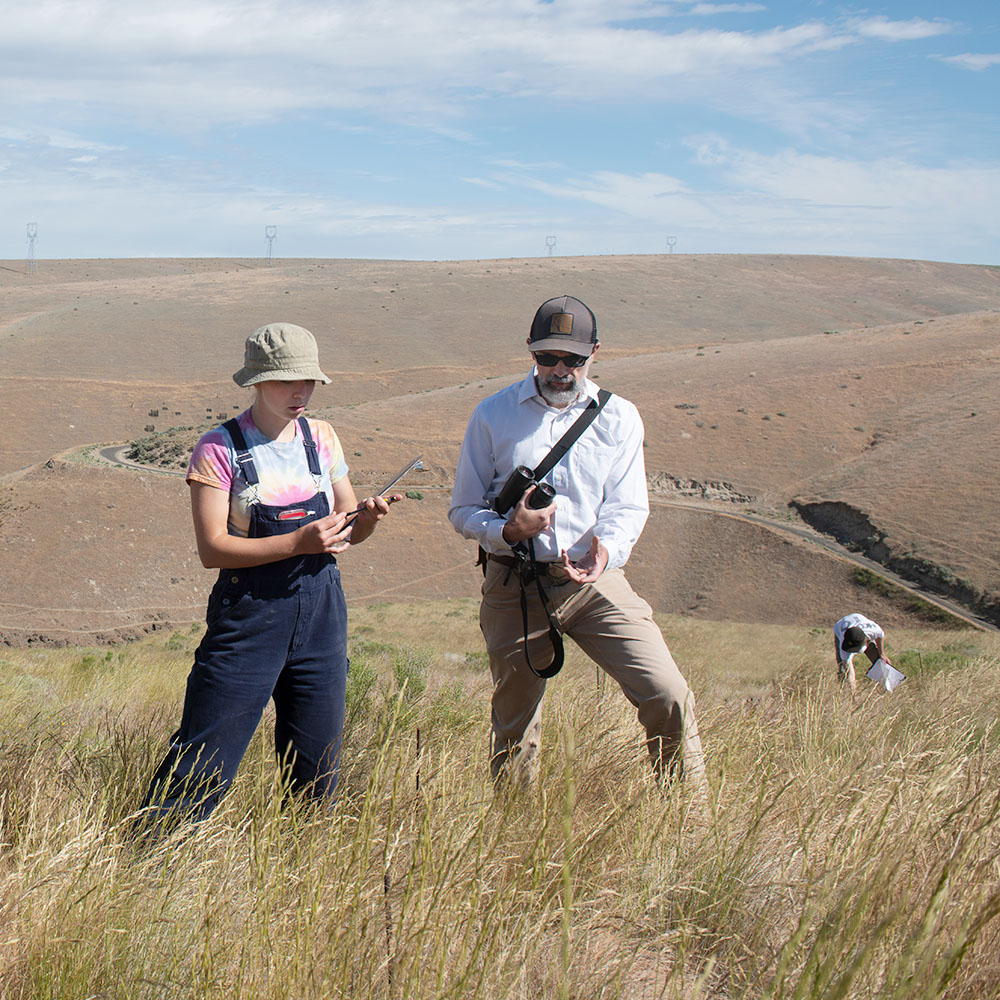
point(282, 468)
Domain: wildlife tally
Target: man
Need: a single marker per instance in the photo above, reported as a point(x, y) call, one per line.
point(854, 634)
point(571, 551)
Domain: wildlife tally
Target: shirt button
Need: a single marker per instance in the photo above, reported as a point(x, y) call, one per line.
point(234, 579)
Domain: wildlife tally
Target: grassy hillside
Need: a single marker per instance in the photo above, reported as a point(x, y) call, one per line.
point(846, 848)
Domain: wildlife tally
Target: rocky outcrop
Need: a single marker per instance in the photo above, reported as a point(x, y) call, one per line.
point(664, 484)
point(857, 532)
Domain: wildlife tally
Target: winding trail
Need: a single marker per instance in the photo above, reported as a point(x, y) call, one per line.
point(115, 454)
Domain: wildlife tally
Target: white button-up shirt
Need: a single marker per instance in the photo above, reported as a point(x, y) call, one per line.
point(600, 482)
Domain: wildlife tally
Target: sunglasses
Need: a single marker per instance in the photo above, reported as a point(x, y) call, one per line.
point(547, 360)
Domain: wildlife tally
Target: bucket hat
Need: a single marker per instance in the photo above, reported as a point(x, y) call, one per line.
point(563, 324)
point(280, 352)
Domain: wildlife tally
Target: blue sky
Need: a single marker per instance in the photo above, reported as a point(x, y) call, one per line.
point(448, 129)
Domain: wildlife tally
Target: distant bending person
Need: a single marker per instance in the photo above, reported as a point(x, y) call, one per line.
point(553, 553)
point(854, 634)
point(272, 506)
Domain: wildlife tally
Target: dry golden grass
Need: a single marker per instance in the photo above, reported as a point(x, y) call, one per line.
point(845, 848)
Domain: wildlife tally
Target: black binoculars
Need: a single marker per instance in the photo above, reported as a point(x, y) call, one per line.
point(519, 481)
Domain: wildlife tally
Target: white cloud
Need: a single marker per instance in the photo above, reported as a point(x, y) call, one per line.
point(616, 190)
point(899, 31)
point(826, 182)
point(482, 182)
point(796, 201)
point(221, 61)
point(524, 165)
point(56, 139)
point(726, 8)
point(976, 62)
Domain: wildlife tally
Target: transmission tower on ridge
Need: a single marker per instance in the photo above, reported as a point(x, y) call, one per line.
point(270, 234)
point(32, 231)
point(550, 242)
point(671, 243)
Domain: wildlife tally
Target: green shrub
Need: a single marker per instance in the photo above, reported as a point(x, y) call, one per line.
point(450, 710)
point(410, 668)
point(915, 662)
point(361, 679)
point(913, 603)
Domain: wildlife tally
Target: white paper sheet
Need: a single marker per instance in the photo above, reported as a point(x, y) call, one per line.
point(885, 674)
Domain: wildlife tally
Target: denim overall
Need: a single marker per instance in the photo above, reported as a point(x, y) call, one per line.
point(274, 631)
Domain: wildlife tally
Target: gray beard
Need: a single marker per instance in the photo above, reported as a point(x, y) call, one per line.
point(559, 393)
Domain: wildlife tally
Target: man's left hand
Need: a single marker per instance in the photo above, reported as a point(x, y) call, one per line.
point(590, 567)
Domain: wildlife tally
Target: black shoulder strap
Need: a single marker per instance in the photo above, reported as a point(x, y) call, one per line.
point(559, 449)
point(568, 439)
point(243, 459)
point(312, 455)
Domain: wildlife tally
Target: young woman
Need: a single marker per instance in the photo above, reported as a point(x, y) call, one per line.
point(272, 507)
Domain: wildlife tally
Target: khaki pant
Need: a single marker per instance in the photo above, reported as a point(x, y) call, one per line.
point(615, 628)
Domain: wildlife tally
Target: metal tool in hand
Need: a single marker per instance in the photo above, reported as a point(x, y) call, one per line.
point(416, 463)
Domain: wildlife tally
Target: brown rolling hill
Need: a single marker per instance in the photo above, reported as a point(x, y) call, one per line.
point(864, 392)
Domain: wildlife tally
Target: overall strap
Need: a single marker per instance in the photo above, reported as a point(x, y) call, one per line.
point(312, 453)
point(568, 439)
point(243, 460)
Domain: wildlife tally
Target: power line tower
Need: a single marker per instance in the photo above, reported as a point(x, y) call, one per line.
point(270, 234)
point(671, 243)
point(32, 231)
point(550, 242)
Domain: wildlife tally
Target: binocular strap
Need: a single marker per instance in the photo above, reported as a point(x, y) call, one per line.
point(555, 636)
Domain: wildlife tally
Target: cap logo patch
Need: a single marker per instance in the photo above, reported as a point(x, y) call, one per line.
point(562, 323)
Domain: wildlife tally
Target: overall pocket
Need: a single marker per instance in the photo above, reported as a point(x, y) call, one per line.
point(226, 594)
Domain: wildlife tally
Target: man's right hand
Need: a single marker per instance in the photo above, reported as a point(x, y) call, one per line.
point(523, 522)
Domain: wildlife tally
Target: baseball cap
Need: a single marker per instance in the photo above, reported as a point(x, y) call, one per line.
point(280, 352)
point(854, 640)
point(563, 324)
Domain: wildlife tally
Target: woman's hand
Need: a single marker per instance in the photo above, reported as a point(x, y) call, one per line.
point(371, 510)
point(218, 549)
point(330, 534)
